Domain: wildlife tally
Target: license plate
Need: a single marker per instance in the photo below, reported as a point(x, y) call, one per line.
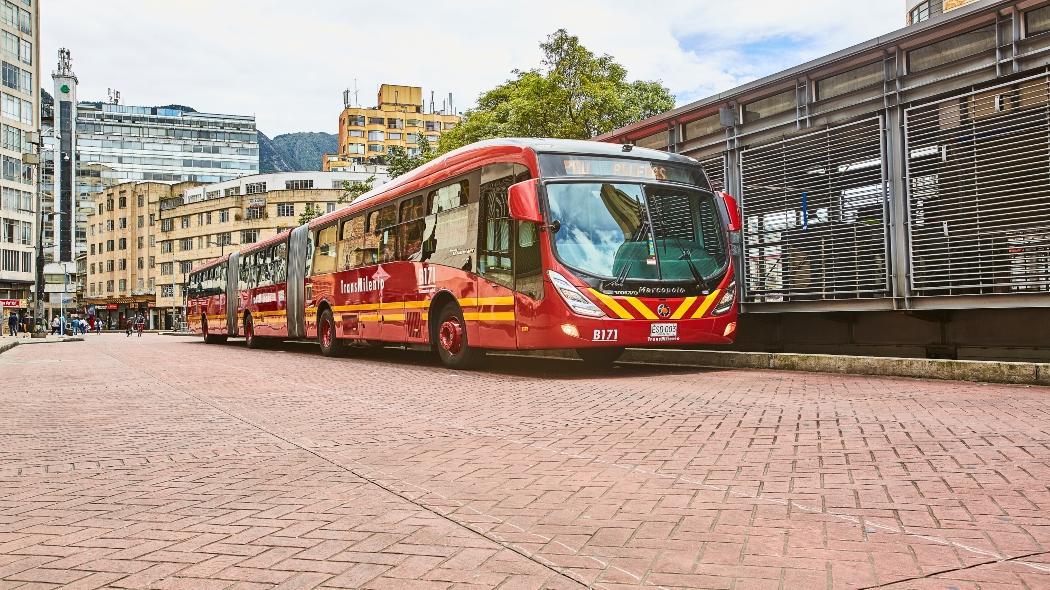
point(663, 332)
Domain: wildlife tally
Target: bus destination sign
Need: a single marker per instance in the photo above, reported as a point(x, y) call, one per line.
point(572, 165)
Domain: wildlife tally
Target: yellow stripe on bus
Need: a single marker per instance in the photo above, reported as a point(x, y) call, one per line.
point(482, 301)
point(612, 304)
point(706, 305)
point(683, 308)
point(642, 309)
point(491, 316)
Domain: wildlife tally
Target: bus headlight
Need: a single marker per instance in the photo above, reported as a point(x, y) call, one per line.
point(725, 304)
point(576, 301)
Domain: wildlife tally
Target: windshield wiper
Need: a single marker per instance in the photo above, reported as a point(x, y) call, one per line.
point(621, 277)
point(709, 283)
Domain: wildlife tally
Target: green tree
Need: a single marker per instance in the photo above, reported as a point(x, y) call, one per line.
point(351, 190)
point(399, 161)
point(574, 95)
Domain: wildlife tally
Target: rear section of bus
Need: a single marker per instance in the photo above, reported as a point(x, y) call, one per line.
point(636, 252)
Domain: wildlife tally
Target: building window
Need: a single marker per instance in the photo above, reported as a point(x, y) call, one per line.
point(152, 262)
point(212, 194)
point(767, 107)
point(656, 141)
point(141, 200)
point(356, 120)
point(186, 244)
point(123, 243)
point(294, 185)
point(255, 213)
point(166, 247)
point(395, 124)
point(249, 236)
point(109, 286)
point(109, 266)
point(285, 209)
point(355, 148)
point(184, 222)
point(185, 266)
point(109, 245)
point(167, 224)
point(919, 13)
point(232, 191)
point(224, 216)
point(122, 264)
point(867, 76)
point(123, 223)
point(330, 207)
point(140, 241)
point(141, 263)
point(140, 221)
point(394, 136)
point(254, 188)
point(375, 148)
point(355, 133)
point(123, 203)
point(375, 136)
point(167, 290)
point(701, 127)
point(1037, 21)
point(376, 121)
point(954, 49)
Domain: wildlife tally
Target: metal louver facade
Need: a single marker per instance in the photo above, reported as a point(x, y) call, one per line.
point(814, 215)
point(715, 167)
point(978, 180)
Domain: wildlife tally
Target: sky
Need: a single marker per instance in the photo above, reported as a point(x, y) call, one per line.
point(288, 63)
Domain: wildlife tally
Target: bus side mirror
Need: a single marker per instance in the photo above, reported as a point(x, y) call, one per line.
point(524, 202)
point(732, 210)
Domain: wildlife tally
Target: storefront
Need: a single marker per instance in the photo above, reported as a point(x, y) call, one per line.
point(116, 313)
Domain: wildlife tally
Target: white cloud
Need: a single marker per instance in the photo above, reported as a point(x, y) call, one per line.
point(287, 63)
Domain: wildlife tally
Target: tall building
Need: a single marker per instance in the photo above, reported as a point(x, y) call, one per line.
point(921, 10)
point(399, 118)
point(19, 117)
point(143, 237)
point(91, 146)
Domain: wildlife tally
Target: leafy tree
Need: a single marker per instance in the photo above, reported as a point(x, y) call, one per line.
point(574, 95)
point(351, 190)
point(399, 161)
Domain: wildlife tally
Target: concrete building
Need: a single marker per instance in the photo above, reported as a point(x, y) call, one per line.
point(143, 237)
point(895, 194)
point(399, 118)
point(921, 10)
point(19, 127)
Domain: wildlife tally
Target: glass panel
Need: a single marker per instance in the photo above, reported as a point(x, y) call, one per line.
point(954, 49)
point(701, 127)
point(325, 253)
point(846, 82)
point(767, 107)
point(1037, 21)
point(656, 141)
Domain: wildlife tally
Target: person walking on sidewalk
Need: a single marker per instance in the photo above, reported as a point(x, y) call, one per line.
point(12, 323)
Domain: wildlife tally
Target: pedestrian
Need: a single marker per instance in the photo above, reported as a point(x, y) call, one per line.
point(12, 323)
point(98, 326)
point(54, 325)
point(140, 324)
point(83, 326)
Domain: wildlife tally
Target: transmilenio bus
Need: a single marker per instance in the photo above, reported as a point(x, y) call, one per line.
point(510, 244)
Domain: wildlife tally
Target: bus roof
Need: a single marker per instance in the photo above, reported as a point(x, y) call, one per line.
point(484, 151)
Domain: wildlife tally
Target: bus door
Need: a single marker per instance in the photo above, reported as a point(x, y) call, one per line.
point(493, 311)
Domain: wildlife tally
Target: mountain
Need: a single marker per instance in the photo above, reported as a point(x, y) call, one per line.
point(291, 152)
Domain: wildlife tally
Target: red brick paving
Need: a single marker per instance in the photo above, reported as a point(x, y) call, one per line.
point(165, 463)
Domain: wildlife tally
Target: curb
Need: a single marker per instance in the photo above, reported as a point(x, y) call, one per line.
point(9, 345)
point(948, 370)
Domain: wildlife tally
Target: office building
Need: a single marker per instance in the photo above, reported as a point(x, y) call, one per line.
point(143, 237)
point(19, 125)
point(921, 10)
point(399, 118)
point(895, 194)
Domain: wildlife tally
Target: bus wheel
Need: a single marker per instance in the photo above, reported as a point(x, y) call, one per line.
point(250, 339)
point(599, 358)
point(326, 335)
point(451, 340)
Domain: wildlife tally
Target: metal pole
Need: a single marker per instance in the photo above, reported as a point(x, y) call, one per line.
point(62, 301)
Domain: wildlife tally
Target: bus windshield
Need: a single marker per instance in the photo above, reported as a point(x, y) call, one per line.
point(628, 231)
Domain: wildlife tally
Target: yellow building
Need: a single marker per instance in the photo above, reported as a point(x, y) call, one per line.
point(400, 119)
point(143, 237)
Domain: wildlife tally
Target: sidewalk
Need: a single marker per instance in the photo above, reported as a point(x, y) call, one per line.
point(9, 342)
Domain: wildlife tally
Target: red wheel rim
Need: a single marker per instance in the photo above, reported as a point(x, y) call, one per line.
point(450, 335)
point(326, 333)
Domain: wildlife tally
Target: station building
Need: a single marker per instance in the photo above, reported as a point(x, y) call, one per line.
point(895, 194)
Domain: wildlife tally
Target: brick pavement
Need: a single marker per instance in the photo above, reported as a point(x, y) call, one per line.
point(165, 463)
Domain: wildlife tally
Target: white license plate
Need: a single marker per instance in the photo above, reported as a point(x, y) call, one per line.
point(663, 331)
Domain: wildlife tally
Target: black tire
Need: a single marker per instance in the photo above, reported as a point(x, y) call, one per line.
point(327, 336)
point(600, 358)
point(250, 339)
point(450, 340)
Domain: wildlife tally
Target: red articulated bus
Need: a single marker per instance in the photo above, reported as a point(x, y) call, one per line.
point(510, 244)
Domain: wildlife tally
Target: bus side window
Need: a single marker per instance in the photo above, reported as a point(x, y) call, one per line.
point(386, 233)
point(410, 232)
point(325, 260)
point(495, 256)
